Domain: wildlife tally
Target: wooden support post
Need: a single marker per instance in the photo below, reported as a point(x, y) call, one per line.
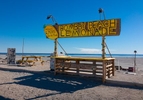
point(108, 68)
point(55, 49)
point(27, 59)
point(113, 67)
point(22, 60)
point(55, 68)
point(108, 71)
point(94, 67)
point(103, 47)
point(77, 66)
point(104, 72)
point(55, 55)
point(63, 66)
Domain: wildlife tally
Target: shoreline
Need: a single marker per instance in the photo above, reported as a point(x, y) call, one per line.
point(79, 55)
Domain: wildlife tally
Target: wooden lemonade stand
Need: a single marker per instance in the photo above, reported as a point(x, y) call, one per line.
point(92, 67)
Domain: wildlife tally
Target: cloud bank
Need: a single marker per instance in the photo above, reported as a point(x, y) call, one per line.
point(89, 50)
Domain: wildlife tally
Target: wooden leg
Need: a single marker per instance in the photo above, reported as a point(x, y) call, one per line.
point(42, 63)
point(77, 66)
point(113, 68)
point(94, 68)
point(63, 66)
point(104, 72)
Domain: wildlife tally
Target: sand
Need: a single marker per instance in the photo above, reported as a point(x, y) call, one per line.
point(38, 83)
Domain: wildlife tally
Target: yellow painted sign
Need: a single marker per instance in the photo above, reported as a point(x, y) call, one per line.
point(86, 29)
point(51, 32)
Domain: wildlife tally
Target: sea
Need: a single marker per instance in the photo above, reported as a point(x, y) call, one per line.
point(80, 55)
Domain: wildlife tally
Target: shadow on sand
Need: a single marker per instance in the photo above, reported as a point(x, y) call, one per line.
point(47, 80)
point(63, 83)
point(124, 84)
point(3, 98)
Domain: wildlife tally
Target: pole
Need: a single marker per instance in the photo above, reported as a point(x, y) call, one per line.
point(103, 47)
point(103, 36)
point(135, 63)
point(55, 48)
point(23, 48)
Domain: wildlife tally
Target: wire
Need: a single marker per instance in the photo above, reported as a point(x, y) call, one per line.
point(62, 48)
point(108, 50)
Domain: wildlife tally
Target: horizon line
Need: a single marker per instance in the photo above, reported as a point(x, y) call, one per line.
point(73, 53)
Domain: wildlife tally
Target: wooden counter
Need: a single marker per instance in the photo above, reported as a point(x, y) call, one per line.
point(94, 67)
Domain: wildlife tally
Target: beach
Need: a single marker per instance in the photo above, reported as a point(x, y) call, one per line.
point(39, 83)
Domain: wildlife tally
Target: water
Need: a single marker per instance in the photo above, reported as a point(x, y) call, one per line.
point(79, 55)
point(107, 55)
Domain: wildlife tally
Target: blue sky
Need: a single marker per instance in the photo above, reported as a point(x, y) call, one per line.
point(25, 19)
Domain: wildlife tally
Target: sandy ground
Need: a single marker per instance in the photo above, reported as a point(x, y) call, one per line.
point(38, 83)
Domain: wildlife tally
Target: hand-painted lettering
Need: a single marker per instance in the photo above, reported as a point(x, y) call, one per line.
point(85, 29)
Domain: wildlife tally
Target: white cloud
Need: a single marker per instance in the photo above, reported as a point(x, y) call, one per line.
point(92, 50)
point(89, 50)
